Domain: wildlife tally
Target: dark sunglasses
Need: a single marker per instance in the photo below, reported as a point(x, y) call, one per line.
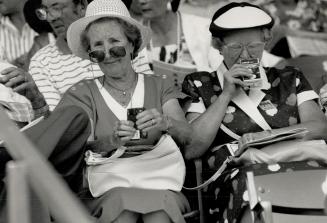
point(98, 56)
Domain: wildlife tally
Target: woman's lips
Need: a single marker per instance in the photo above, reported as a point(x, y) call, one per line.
point(146, 10)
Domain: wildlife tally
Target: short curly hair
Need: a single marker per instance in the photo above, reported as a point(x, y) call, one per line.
point(131, 32)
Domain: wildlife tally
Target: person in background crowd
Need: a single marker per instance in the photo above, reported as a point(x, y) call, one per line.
point(135, 10)
point(16, 36)
point(219, 111)
point(110, 37)
point(174, 38)
point(44, 30)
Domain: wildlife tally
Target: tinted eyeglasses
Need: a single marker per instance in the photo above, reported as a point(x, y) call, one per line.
point(254, 49)
point(98, 56)
point(43, 13)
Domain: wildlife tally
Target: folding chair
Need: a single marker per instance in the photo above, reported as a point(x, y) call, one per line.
point(194, 177)
point(286, 197)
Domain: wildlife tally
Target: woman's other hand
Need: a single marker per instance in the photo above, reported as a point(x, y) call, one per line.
point(123, 132)
point(233, 78)
point(152, 118)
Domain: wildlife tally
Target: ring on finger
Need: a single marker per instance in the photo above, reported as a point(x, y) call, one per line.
point(153, 121)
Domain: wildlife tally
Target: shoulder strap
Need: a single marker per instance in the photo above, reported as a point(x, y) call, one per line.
point(245, 103)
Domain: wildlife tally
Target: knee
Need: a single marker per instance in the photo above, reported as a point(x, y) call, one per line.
point(76, 114)
point(73, 111)
point(157, 216)
point(127, 217)
point(80, 116)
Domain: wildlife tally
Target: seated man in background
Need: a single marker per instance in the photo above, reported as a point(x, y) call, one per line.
point(16, 36)
point(44, 30)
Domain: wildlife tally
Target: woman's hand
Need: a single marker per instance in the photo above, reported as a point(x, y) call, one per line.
point(123, 132)
point(233, 78)
point(152, 118)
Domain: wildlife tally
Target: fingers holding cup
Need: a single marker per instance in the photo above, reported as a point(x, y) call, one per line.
point(124, 130)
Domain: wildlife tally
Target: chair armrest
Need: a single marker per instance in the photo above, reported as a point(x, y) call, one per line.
point(199, 180)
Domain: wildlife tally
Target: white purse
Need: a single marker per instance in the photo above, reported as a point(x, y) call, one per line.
point(161, 168)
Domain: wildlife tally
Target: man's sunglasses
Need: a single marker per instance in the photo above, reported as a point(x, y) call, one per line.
point(97, 56)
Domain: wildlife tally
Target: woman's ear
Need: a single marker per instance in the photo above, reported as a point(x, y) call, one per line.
point(267, 36)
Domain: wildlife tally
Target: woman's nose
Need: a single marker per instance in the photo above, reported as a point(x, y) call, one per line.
point(244, 53)
point(107, 52)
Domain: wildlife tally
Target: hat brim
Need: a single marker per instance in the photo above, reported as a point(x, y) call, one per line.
point(237, 16)
point(76, 29)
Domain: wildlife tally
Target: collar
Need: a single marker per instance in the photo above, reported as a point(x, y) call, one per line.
point(256, 95)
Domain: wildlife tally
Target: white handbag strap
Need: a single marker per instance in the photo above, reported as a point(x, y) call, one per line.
point(229, 132)
point(247, 105)
point(212, 178)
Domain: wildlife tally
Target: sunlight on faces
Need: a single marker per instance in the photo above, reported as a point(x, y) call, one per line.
point(105, 35)
point(242, 44)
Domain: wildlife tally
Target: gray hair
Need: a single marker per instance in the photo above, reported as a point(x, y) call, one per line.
point(131, 32)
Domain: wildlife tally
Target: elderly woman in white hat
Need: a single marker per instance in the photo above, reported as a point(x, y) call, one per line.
point(134, 167)
point(242, 98)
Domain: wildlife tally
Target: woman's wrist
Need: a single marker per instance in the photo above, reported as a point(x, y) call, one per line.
point(225, 96)
point(168, 123)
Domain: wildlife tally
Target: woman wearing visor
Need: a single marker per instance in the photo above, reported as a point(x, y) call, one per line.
point(124, 146)
point(238, 101)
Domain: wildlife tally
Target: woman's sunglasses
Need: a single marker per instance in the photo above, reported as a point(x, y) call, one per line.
point(97, 56)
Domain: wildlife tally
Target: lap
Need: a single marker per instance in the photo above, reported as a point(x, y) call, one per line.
point(110, 205)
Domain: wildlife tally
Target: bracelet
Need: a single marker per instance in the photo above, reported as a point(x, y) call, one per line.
point(169, 124)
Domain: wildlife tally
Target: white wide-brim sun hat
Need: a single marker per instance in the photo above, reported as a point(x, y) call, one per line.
point(102, 9)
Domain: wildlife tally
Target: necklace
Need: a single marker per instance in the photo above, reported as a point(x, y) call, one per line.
point(123, 91)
